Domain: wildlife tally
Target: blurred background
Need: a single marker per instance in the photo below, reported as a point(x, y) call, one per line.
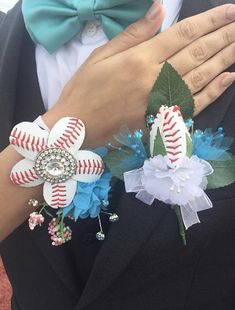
point(5, 288)
point(6, 5)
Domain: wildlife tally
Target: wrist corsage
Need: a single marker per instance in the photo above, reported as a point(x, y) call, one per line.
point(74, 180)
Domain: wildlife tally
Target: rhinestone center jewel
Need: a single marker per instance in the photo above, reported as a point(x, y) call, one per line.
point(55, 165)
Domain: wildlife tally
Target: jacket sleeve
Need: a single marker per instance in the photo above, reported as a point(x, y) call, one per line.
point(10, 51)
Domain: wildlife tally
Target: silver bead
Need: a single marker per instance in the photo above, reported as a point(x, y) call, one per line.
point(100, 236)
point(114, 218)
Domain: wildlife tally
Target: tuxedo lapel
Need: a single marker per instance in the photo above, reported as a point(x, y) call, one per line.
point(9, 62)
point(59, 259)
point(21, 103)
point(125, 238)
point(17, 61)
point(137, 221)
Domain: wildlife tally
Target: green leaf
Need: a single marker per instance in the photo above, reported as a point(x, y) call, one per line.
point(159, 147)
point(189, 142)
point(169, 90)
point(224, 173)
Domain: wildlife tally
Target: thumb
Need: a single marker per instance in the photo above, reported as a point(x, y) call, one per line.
point(138, 32)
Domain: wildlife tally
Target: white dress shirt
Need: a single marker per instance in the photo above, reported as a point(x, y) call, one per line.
point(55, 70)
point(6, 5)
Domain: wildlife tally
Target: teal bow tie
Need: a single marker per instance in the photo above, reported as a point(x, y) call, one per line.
point(53, 23)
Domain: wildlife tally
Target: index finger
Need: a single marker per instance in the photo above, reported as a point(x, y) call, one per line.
point(190, 29)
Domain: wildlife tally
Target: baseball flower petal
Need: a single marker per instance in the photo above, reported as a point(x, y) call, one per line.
point(23, 174)
point(68, 133)
point(169, 127)
point(59, 195)
point(28, 139)
point(90, 167)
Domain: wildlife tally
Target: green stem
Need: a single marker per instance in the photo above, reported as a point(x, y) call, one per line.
point(43, 206)
point(180, 224)
point(48, 213)
point(62, 227)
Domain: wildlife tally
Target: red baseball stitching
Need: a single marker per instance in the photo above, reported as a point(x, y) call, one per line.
point(176, 109)
point(23, 177)
point(173, 135)
point(174, 153)
point(70, 134)
point(170, 128)
point(168, 121)
point(22, 139)
point(173, 141)
point(166, 115)
point(171, 147)
point(90, 167)
point(173, 160)
point(58, 193)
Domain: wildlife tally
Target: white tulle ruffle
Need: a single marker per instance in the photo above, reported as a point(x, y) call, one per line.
point(183, 185)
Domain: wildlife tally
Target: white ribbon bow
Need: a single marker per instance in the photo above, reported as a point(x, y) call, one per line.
point(183, 185)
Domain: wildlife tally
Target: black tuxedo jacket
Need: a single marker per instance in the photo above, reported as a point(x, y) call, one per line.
point(142, 264)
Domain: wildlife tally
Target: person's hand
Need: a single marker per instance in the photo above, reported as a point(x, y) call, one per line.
point(112, 87)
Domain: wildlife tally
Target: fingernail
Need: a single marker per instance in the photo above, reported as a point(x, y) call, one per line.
point(231, 12)
point(154, 10)
point(228, 80)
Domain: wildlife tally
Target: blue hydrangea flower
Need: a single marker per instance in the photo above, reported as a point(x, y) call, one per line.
point(89, 198)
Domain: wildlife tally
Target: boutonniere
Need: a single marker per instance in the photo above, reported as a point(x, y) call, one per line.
point(181, 163)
